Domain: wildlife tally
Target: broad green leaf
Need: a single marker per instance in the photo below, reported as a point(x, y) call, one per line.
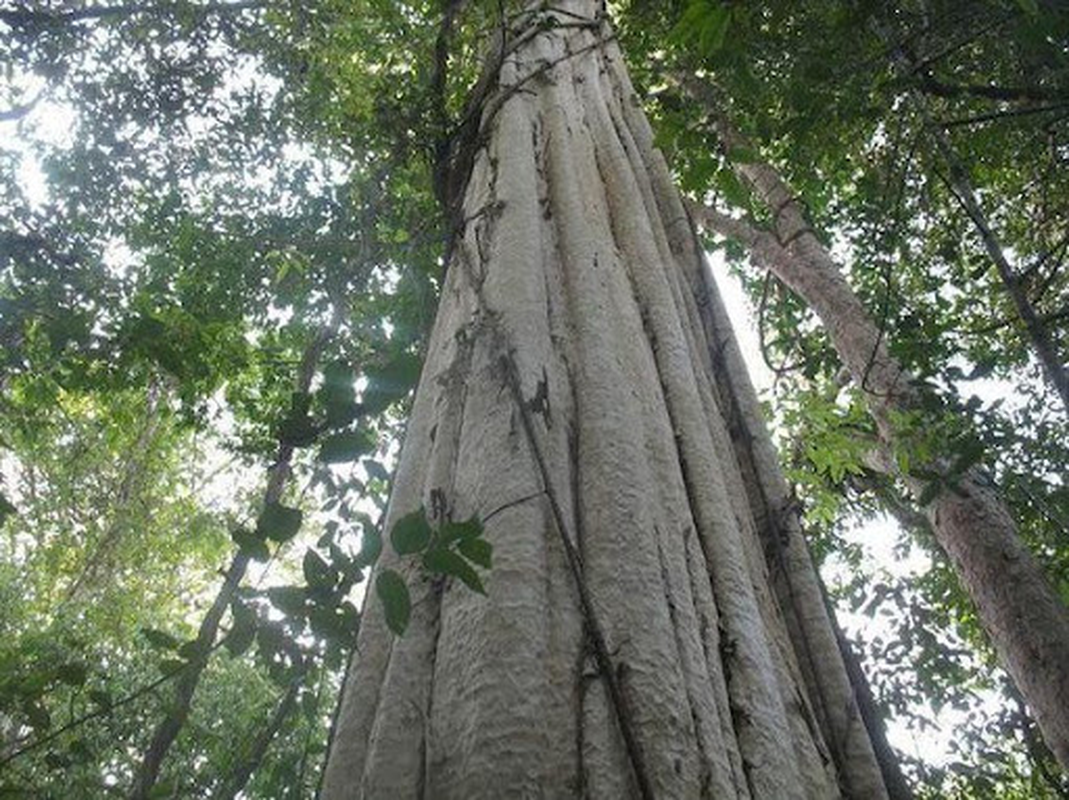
point(468, 529)
point(370, 547)
point(270, 638)
point(411, 533)
point(278, 522)
point(160, 640)
point(56, 760)
point(242, 629)
point(170, 666)
point(317, 572)
point(6, 509)
point(348, 446)
point(396, 605)
point(391, 382)
point(298, 431)
point(338, 394)
point(191, 650)
point(38, 716)
point(72, 673)
point(375, 469)
point(446, 562)
point(290, 600)
point(100, 698)
point(478, 551)
point(251, 544)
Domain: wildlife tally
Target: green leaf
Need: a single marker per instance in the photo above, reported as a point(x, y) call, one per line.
point(170, 666)
point(370, 547)
point(100, 698)
point(411, 533)
point(478, 551)
point(72, 673)
point(242, 629)
point(251, 544)
point(270, 638)
point(6, 509)
point(969, 453)
point(338, 624)
point(469, 529)
point(446, 562)
point(278, 522)
point(160, 640)
point(38, 716)
point(290, 600)
point(375, 469)
point(191, 650)
point(298, 432)
point(396, 605)
point(80, 749)
point(347, 446)
point(339, 397)
point(56, 760)
point(391, 382)
point(317, 572)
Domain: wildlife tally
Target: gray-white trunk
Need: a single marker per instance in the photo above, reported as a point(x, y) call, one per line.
point(578, 264)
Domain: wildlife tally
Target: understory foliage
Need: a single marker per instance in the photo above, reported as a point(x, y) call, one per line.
point(222, 235)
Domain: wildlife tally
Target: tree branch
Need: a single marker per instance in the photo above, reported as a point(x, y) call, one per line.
point(167, 730)
point(19, 111)
point(255, 756)
point(928, 84)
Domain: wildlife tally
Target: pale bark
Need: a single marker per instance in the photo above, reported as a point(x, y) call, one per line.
point(578, 273)
point(1027, 621)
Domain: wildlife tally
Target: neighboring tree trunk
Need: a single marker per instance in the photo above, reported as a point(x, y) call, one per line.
point(1027, 622)
point(577, 283)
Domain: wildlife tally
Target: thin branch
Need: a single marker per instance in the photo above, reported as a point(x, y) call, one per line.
point(167, 730)
point(962, 188)
point(1002, 114)
point(104, 711)
point(928, 84)
point(264, 737)
point(19, 111)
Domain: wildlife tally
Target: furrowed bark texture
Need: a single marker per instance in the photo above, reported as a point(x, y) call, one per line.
point(578, 273)
point(1027, 621)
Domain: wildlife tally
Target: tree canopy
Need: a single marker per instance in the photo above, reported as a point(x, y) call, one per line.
point(223, 230)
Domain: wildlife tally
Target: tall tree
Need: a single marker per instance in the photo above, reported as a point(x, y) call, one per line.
point(653, 626)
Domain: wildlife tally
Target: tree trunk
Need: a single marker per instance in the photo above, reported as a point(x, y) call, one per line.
point(578, 277)
point(1027, 621)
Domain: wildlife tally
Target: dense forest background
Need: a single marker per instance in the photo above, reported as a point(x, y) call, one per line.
point(221, 241)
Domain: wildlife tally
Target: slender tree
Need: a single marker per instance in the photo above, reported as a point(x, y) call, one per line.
point(653, 625)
